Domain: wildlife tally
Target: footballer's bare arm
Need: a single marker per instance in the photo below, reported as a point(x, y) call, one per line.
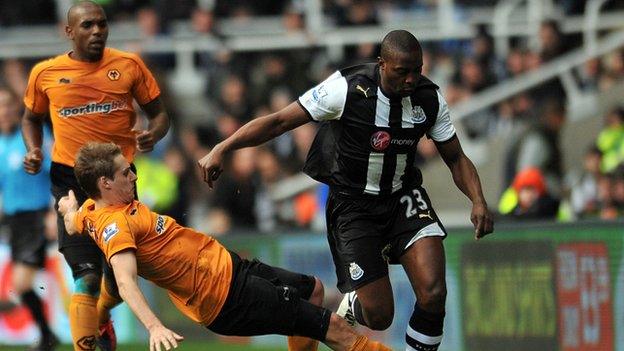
point(125, 270)
point(32, 133)
point(255, 132)
point(67, 207)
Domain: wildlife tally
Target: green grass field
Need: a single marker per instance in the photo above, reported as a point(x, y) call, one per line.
point(185, 346)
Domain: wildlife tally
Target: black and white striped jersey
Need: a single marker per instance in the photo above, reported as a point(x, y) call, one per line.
point(366, 143)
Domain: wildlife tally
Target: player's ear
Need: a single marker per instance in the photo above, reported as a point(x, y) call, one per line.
point(69, 32)
point(381, 62)
point(104, 182)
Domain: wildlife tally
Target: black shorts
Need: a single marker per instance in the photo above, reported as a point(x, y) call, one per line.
point(268, 300)
point(28, 242)
point(78, 250)
point(366, 234)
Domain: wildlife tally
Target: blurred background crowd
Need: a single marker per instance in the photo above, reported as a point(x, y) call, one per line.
point(263, 190)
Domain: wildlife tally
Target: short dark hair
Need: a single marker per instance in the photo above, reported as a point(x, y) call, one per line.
point(399, 41)
point(79, 5)
point(95, 160)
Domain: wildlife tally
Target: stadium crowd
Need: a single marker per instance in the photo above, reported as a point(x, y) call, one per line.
point(241, 85)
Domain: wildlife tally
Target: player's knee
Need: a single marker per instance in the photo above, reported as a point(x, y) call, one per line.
point(378, 312)
point(88, 283)
point(380, 320)
point(318, 293)
point(433, 297)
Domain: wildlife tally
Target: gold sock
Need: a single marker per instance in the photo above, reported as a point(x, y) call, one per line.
point(105, 303)
point(300, 343)
point(364, 344)
point(83, 321)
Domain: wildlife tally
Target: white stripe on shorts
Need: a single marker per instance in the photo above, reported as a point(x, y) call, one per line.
point(432, 229)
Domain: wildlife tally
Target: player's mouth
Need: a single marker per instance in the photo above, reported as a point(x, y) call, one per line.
point(406, 91)
point(97, 44)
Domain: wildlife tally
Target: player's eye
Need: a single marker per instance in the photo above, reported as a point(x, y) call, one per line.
point(86, 24)
point(401, 71)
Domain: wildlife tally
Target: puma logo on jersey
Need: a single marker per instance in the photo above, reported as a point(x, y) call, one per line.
point(365, 92)
point(64, 81)
point(425, 215)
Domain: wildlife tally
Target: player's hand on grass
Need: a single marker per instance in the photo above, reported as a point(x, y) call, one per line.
point(482, 220)
point(32, 161)
point(211, 165)
point(145, 140)
point(68, 203)
point(160, 335)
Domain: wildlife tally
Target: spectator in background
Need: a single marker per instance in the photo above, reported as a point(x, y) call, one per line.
point(233, 98)
point(607, 209)
point(361, 53)
point(25, 203)
point(292, 19)
point(15, 76)
point(514, 63)
point(483, 51)
point(614, 69)
point(584, 192)
point(618, 189)
point(203, 21)
point(158, 185)
point(180, 165)
point(610, 141)
point(539, 147)
point(533, 199)
point(552, 40)
point(356, 13)
point(151, 27)
point(588, 75)
point(269, 172)
point(234, 201)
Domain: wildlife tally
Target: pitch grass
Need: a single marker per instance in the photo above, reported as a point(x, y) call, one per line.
point(184, 346)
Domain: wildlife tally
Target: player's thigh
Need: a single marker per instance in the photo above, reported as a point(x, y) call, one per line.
point(28, 242)
point(424, 264)
point(279, 276)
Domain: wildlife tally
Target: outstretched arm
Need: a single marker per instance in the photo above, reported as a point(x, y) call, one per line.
point(158, 125)
point(125, 269)
point(32, 133)
point(467, 180)
point(256, 132)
